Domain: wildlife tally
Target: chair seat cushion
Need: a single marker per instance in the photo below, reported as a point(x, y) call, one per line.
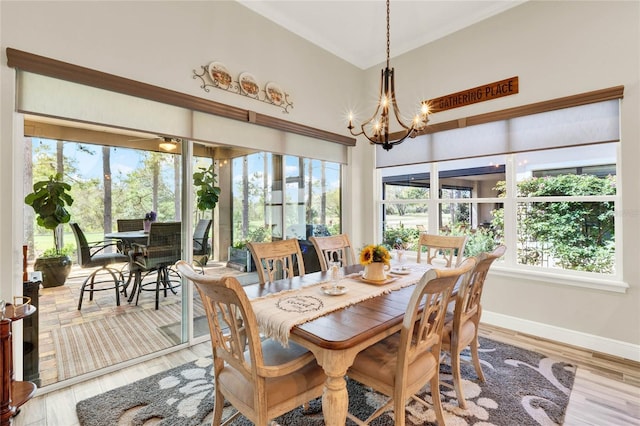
point(380, 360)
point(467, 332)
point(278, 389)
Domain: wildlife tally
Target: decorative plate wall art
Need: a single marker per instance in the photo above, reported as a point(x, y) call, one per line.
point(220, 75)
point(248, 85)
point(216, 74)
point(274, 93)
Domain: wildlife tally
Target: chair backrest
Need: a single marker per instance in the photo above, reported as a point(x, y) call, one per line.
point(232, 322)
point(84, 252)
point(334, 248)
point(447, 249)
point(125, 225)
point(423, 323)
point(201, 237)
point(470, 293)
point(277, 257)
point(163, 244)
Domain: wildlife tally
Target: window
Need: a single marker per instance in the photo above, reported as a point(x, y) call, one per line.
point(565, 215)
point(562, 206)
point(277, 196)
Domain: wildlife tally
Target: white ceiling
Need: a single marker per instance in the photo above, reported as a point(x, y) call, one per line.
point(355, 30)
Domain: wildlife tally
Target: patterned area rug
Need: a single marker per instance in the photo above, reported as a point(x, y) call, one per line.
point(522, 388)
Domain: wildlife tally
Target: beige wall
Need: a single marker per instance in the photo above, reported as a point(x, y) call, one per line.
point(556, 48)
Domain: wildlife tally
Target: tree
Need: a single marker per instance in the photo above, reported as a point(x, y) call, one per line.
point(576, 235)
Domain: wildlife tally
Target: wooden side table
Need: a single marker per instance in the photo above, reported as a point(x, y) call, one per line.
point(13, 394)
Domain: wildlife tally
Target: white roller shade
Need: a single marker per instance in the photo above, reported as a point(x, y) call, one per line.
point(236, 133)
point(42, 95)
point(580, 125)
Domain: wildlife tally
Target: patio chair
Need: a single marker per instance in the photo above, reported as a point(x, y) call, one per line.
point(201, 247)
point(125, 225)
point(277, 259)
point(92, 255)
point(260, 378)
point(445, 250)
point(336, 248)
point(403, 363)
point(162, 251)
point(461, 327)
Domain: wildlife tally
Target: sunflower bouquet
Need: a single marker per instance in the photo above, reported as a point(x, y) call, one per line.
point(374, 253)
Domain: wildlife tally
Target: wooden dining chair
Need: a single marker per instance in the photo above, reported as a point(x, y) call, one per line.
point(403, 363)
point(461, 326)
point(441, 250)
point(333, 248)
point(277, 259)
point(260, 378)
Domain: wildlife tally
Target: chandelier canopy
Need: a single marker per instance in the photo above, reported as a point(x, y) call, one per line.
point(376, 128)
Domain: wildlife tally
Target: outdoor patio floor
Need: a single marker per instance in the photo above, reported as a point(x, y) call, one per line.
point(58, 308)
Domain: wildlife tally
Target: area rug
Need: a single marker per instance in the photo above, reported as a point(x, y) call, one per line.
point(86, 347)
point(522, 388)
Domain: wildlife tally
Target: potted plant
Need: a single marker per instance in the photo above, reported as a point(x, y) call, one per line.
point(207, 196)
point(207, 193)
point(49, 200)
point(239, 255)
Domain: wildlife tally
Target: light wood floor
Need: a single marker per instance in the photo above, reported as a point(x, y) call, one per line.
point(606, 391)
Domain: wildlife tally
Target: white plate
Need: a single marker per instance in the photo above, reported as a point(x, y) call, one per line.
point(400, 271)
point(248, 85)
point(274, 93)
point(220, 75)
point(334, 291)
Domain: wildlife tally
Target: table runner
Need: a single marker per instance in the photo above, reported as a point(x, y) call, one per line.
point(278, 313)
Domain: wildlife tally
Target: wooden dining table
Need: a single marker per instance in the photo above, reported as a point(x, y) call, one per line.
point(338, 336)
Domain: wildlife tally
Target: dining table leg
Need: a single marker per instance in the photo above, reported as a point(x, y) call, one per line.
point(335, 398)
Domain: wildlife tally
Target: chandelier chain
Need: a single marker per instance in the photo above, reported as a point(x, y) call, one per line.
point(388, 32)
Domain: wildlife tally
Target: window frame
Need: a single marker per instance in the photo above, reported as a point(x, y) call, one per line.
point(508, 266)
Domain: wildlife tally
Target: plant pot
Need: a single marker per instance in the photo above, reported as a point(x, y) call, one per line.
point(376, 271)
point(55, 270)
point(240, 259)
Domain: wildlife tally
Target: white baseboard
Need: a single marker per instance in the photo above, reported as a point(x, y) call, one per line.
point(571, 337)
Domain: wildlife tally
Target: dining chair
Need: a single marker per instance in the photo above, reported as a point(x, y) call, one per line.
point(162, 250)
point(461, 326)
point(334, 248)
point(445, 250)
point(92, 255)
point(276, 258)
point(260, 378)
point(402, 364)
point(201, 246)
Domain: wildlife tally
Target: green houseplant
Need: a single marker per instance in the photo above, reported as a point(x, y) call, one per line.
point(49, 200)
point(207, 193)
point(207, 196)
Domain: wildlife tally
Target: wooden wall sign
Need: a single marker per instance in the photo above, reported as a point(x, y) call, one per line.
point(487, 92)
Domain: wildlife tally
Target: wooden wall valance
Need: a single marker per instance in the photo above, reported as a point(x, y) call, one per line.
point(65, 71)
point(601, 95)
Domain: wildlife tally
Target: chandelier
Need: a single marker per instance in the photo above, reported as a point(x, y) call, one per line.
point(376, 129)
